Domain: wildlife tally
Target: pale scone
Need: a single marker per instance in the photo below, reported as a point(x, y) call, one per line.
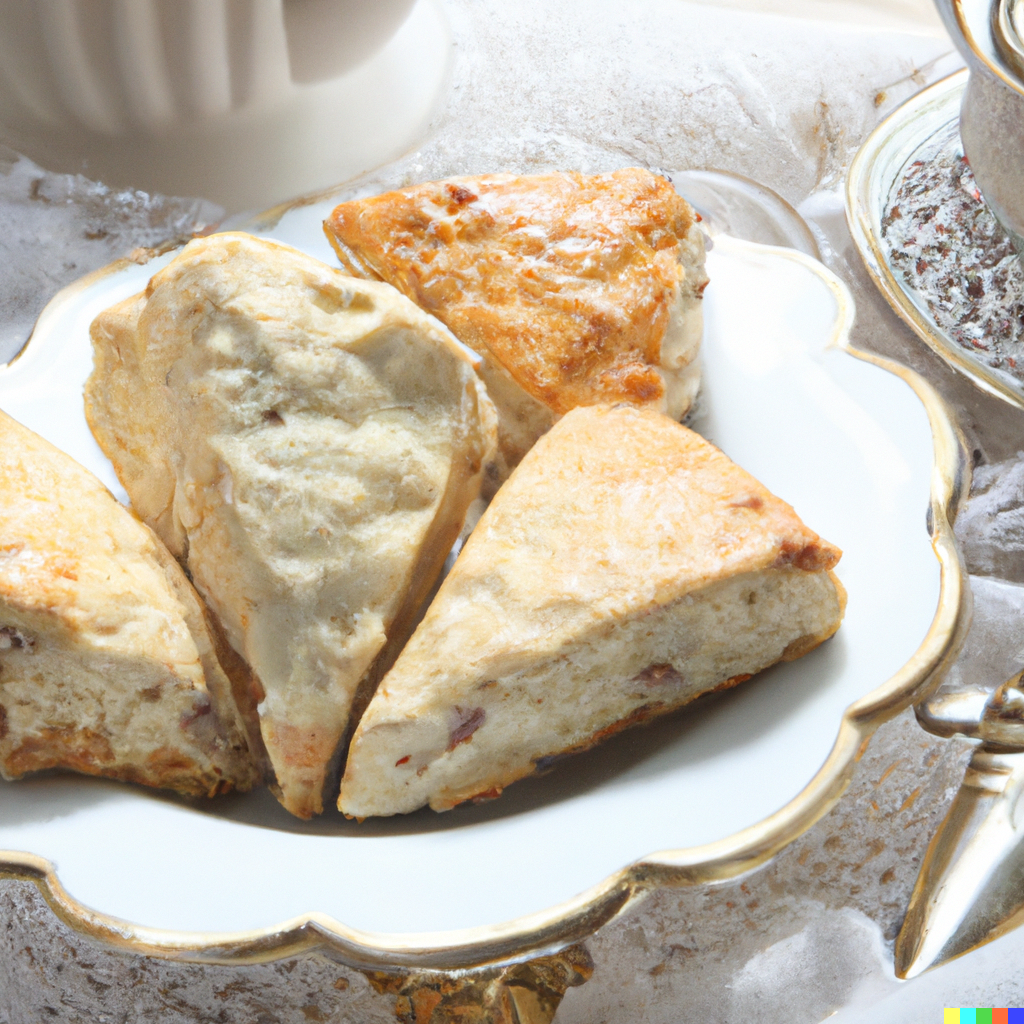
point(107, 665)
point(307, 444)
point(575, 289)
point(625, 567)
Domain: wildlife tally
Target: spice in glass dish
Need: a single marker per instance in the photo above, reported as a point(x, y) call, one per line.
point(954, 256)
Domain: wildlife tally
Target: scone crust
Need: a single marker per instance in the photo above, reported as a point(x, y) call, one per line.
point(307, 444)
point(107, 666)
point(568, 281)
point(560, 621)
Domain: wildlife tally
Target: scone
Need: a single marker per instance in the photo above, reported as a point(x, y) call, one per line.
point(575, 289)
point(107, 665)
point(307, 444)
point(625, 567)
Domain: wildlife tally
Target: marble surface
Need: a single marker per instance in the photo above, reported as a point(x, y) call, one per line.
point(783, 93)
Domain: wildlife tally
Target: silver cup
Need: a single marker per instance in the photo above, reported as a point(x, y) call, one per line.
point(990, 36)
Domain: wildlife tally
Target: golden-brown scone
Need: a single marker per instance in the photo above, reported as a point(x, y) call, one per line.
point(576, 289)
point(307, 444)
point(624, 568)
point(107, 666)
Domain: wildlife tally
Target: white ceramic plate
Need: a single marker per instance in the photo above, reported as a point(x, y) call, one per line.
point(844, 441)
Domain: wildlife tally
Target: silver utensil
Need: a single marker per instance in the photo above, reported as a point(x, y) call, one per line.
point(970, 889)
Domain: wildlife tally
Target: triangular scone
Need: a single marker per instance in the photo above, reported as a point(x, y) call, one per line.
point(576, 289)
point(107, 665)
point(308, 445)
point(624, 568)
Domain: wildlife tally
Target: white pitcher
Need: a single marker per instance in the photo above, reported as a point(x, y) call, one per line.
point(117, 66)
point(245, 102)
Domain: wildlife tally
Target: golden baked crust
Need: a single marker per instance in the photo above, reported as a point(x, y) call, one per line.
point(624, 568)
point(569, 283)
point(307, 444)
point(107, 666)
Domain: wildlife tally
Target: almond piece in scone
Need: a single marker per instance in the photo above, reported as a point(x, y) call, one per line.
point(107, 665)
point(307, 444)
point(625, 567)
point(576, 289)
